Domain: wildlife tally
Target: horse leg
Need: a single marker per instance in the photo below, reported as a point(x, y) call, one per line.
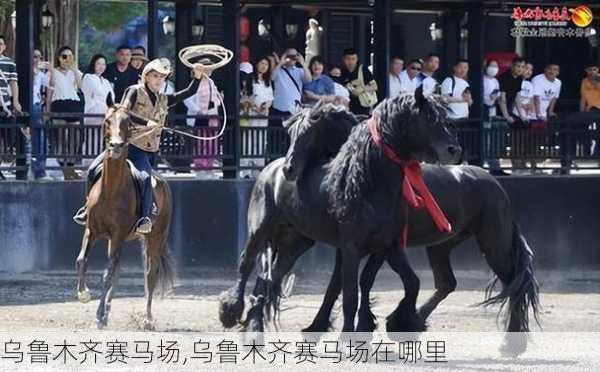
point(405, 317)
point(367, 322)
point(350, 262)
point(288, 246)
point(443, 276)
point(287, 255)
point(110, 279)
point(83, 293)
point(232, 301)
point(321, 323)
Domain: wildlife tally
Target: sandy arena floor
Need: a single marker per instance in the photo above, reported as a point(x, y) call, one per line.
point(45, 302)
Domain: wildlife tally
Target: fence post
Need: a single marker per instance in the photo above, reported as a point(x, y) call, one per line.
point(231, 23)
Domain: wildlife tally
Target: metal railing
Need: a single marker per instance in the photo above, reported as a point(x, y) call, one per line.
point(250, 146)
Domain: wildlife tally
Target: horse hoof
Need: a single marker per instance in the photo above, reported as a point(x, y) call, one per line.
point(514, 344)
point(405, 319)
point(230, 309)
point(317, 328)
point(366, 323)
point(149, 325)
point(84, 296)
point(100, 323)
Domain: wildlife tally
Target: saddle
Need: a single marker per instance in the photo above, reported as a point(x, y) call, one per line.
point(137, 180)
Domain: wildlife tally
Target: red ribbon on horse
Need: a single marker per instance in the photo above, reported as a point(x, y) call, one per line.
point(414, 189)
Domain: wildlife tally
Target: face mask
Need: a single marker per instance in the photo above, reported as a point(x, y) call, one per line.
point(492, 71)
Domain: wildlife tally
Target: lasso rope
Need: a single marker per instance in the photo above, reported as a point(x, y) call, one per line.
point(210, 56)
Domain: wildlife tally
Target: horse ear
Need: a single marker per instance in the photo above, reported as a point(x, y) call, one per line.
point(419, 97)
point(109, 100)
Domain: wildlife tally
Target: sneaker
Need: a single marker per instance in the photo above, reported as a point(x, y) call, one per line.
point(80, 217)
point(143, 226)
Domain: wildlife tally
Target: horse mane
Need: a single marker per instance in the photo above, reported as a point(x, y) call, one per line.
point(350, 175)
point(332, 123)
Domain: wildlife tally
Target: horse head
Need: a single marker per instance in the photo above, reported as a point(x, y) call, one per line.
point(116, 131)
point(315, 133)
point(415, 126)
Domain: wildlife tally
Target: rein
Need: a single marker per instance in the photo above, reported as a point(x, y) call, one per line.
point(414, 189)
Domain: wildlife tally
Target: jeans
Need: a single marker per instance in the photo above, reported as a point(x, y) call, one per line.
point(142, 161)
point(38, 142)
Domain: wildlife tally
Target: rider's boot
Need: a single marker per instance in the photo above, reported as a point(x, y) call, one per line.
point(144, 224)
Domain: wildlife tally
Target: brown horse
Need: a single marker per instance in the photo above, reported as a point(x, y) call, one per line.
point(113, 209)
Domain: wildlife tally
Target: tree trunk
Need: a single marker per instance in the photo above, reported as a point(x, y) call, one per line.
point(7, 30)
point(65, 30)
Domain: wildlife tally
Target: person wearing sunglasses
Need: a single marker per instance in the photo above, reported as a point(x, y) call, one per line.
point(408, 77)
point(65, 81)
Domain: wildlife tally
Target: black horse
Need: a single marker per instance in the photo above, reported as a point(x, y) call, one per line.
point(345, 202)
point(474, 202)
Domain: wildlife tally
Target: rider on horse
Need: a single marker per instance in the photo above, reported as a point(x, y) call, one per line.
point(148, 107)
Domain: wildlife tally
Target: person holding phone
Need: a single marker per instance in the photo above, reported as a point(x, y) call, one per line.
point(288, 81)
point(65, 82)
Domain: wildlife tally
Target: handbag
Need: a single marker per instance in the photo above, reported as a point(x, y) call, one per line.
point(366, 99)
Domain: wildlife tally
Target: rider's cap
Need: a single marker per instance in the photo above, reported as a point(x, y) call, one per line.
point(160, 65)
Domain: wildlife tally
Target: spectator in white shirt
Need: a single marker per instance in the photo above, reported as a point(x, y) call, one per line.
point(491, 88)
point(98, 96)
point(395, 84)
point(546, 90)
point(259, 92)
point(64, 82)
point(426, 79)
point(409, 78)
point(455, 89)
point(523, 107)
point(97, 90)
point(494, 135)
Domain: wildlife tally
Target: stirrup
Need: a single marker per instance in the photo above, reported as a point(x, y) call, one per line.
point(80, 217)
point(143, 226)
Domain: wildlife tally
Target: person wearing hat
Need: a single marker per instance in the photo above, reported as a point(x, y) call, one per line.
point(138, 58)
point(147, 100)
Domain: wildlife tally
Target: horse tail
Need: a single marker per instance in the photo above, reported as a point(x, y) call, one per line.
point(162, 266)
point(522, 292)
point(166, 271)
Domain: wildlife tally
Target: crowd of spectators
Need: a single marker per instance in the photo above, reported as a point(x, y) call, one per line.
point(276, 86)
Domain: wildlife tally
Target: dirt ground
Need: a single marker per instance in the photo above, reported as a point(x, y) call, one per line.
point(45, 302)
